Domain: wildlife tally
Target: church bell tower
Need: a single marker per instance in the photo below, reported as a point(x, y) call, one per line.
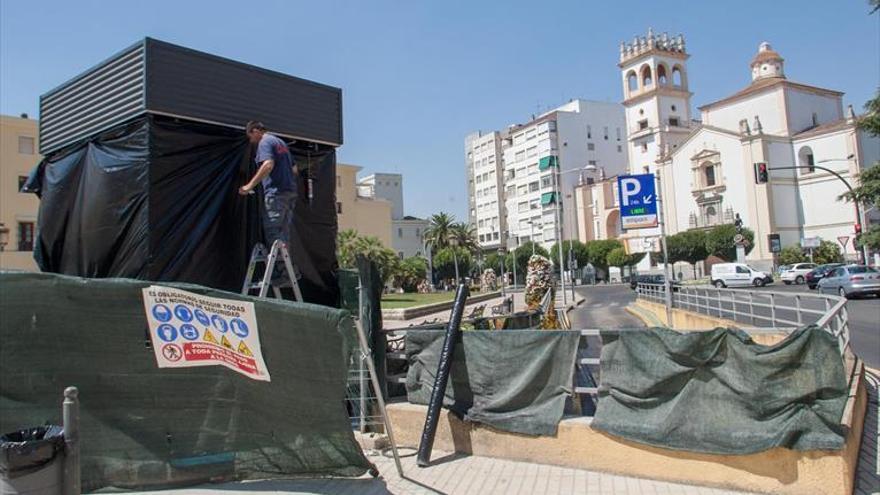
point(656, 97)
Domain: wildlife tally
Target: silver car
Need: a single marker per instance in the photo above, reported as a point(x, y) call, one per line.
point(851, 280)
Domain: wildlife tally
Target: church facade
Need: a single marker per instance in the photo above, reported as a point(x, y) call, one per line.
point(707, 165)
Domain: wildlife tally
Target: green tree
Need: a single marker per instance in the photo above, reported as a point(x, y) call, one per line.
point(385, 259)
point(493, 260)
point(410, 273)
point(688, 246)
point(598, 253)
point(617, 257)
point(827, 252)
point(791, 255)
point(439, 227)
point(521, 256)
point(579, 253)
point(449, 262)
point(345, 248)
point(349, 245)
point(719, 241)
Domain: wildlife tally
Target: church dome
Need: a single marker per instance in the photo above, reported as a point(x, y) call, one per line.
point(767, 63)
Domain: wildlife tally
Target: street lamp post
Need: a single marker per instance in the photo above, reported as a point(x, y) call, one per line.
point(559, 244)
point(501, 255)
point(864, 252)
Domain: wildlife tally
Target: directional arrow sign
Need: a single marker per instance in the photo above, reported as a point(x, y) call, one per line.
point(638, 201)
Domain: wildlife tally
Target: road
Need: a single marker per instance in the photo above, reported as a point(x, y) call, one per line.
point(604, 308)
point(864, 322)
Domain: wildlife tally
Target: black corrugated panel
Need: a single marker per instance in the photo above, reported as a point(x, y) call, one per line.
point(98, 99)
point(193, 84)
point(157, 77)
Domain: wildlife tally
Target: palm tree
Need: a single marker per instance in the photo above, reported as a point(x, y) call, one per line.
point(464, 236)
point(437, 233)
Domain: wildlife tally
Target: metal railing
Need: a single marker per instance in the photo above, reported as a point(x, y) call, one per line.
point(779, 311)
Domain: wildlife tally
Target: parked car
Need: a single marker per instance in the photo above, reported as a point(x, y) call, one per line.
point(816, 274)
point(851, 280)
point(738, 275)
point(652, 279)
point(797, 273)
point(781, 268)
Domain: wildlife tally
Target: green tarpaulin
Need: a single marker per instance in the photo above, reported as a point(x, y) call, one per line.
point(143, 426)
point(720, 392)
point(513, 380)
point(548, 198)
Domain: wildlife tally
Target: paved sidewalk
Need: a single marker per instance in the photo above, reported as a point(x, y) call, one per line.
point(453, 474)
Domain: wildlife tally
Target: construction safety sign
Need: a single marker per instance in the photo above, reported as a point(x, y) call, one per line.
point(189, 329)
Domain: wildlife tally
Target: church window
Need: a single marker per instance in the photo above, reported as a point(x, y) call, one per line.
point(673, 108)
point(644, 147)
point(676, 76)
point(710, 175)
point(589, 132)
point(632, 81)
point(643, 124)
point(647, 80)
point(805, 157)
point(673, 121)
point(661, 75)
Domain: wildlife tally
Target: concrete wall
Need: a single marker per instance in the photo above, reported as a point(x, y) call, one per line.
point(577, 445)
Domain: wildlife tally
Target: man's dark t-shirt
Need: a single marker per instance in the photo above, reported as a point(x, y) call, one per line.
point(281, 178)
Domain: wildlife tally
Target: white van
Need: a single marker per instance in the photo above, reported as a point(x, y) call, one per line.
point(738, 275)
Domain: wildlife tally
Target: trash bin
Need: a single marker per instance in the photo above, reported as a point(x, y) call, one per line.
point(32, 461)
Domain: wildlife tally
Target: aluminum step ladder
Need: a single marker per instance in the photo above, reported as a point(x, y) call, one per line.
point(278, 254)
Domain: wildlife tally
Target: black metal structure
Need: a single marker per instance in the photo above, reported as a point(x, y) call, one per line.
point(161, 78)
point(453, 331)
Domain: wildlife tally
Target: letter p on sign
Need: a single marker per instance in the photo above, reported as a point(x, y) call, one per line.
point(629, 187)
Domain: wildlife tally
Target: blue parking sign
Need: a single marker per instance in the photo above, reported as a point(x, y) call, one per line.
point(638, 201)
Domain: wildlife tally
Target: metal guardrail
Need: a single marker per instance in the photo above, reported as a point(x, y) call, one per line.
point(781, 311)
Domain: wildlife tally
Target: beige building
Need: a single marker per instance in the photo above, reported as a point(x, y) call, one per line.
point(597, 209)
point(357, 209)
point(18, 211)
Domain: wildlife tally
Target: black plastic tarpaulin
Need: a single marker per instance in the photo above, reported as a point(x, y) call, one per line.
point(156, 199)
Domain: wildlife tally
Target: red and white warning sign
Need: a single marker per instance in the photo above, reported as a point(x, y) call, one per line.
point(188, 329)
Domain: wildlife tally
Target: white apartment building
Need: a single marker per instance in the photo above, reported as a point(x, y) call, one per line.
point(485, 187)
point(517, 177)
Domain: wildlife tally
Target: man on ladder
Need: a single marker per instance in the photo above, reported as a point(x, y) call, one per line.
point(277, 174)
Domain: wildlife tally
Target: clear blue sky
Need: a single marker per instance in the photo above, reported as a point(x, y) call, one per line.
point(417, 76)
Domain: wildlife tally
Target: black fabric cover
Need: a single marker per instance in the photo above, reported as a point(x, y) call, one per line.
point(148, 427)
point(156, 199)
point(513, 380)
point(720, 392)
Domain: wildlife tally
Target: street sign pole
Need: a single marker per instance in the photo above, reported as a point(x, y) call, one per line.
point(666, 268)
point(641, 208)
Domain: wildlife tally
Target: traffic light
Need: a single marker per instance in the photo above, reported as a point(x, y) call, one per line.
point(857, 228)
point(761, 176)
